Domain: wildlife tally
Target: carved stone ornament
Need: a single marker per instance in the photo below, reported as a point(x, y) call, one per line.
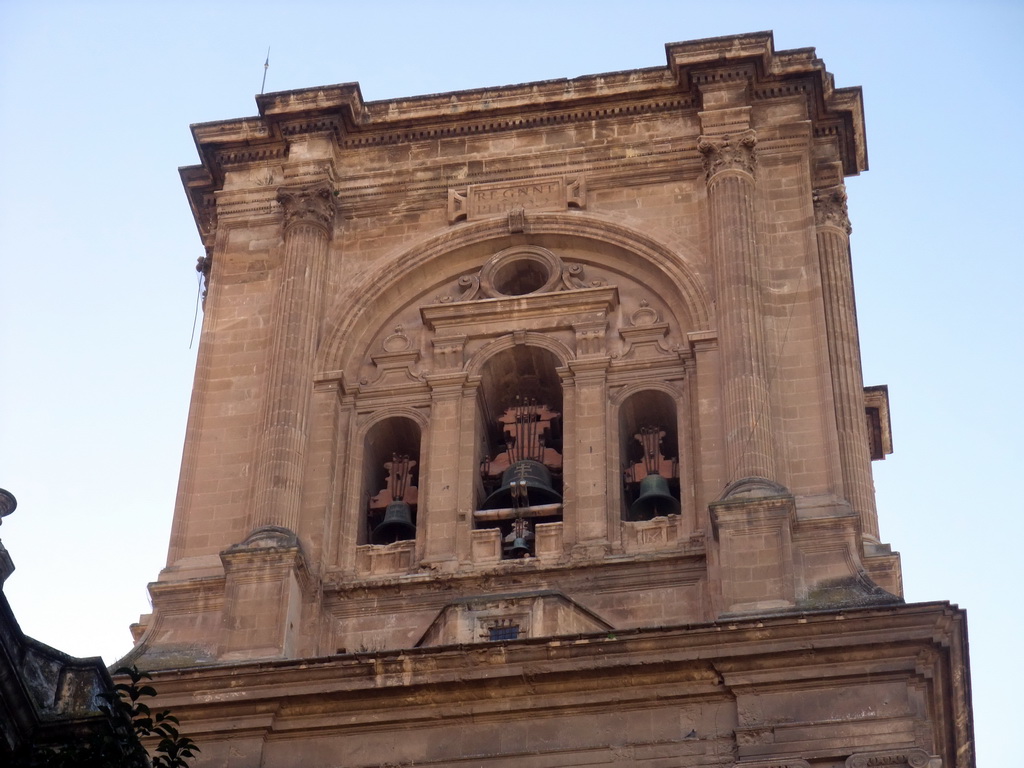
point(203, 266)
point(517, 221)
point(448, 352)
point(724, 153)
point(785, 762)
point(902, 758)
point(645, 315)
point(397, 341)
point(308, 205)
point(590, 337)
point(830, 208)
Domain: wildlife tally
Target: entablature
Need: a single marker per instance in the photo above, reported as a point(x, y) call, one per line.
point(546, 311)
point(748, 62)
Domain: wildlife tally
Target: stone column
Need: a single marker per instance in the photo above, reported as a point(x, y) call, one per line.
point(277, 483)
point(833, 234)
point(590, 455)
point(729, 162)
point(446, 447)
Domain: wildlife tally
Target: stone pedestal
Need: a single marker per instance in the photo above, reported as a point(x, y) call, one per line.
point(755, 546)
point(266, 582)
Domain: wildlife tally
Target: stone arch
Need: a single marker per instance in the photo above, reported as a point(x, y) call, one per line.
point(624, 393)
point(360, 312)
point(391, 412)
point(480, 358)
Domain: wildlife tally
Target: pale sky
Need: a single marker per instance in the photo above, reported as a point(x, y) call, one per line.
point(99, 292)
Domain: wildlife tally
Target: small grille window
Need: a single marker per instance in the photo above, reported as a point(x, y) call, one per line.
point(504, 633)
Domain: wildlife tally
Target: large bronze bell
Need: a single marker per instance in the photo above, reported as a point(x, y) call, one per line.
point(397, 524)
point(526, 483)
point(654, 499)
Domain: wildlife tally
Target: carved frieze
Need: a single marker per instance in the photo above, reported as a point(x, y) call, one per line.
point(830, 208)
point(728, 152)
point(312, 204)
point(901, 758)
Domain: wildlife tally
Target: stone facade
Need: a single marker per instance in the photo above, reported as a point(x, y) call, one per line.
point(528, 424)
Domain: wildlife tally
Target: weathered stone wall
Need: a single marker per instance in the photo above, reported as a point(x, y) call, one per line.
point(656, 255)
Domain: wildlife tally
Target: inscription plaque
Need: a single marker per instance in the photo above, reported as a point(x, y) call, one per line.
point(553, 193)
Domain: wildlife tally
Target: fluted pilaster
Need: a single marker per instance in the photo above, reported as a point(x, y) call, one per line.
point(833, 235)
point(730, 163)
point(277, 482)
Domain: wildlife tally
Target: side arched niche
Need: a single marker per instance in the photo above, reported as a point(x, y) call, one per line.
point(653, 438)
point(649, 447)
point(390, 481)
point(369, 479)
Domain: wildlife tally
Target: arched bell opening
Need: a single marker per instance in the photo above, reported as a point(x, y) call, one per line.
point(520, 416)
point(649, 444)
point(391, 455)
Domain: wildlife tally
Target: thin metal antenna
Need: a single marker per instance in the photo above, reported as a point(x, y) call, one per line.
point(266, 66)
point(195, 317)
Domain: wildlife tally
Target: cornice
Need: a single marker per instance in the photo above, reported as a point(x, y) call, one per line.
point(737, 646)
point(341, 112)
point(519, 121)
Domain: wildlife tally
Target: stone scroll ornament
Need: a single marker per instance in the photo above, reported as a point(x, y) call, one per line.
point(728, 153)
point(830, 208)
point(308, 205)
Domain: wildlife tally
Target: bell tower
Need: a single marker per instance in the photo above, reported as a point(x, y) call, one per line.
point(528, 423)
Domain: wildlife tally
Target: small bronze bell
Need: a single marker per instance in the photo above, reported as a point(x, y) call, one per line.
point(654, 499)
point(519, 543)
point(520, 548)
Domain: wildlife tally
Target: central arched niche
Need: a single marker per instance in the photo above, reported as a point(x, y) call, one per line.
point(519, 413)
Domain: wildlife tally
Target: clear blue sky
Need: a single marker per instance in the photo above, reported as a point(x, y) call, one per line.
point(98, 247)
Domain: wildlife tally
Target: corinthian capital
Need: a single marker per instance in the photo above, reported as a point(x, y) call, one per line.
point(830, 208)
point(308, 205)
point(723, 153)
